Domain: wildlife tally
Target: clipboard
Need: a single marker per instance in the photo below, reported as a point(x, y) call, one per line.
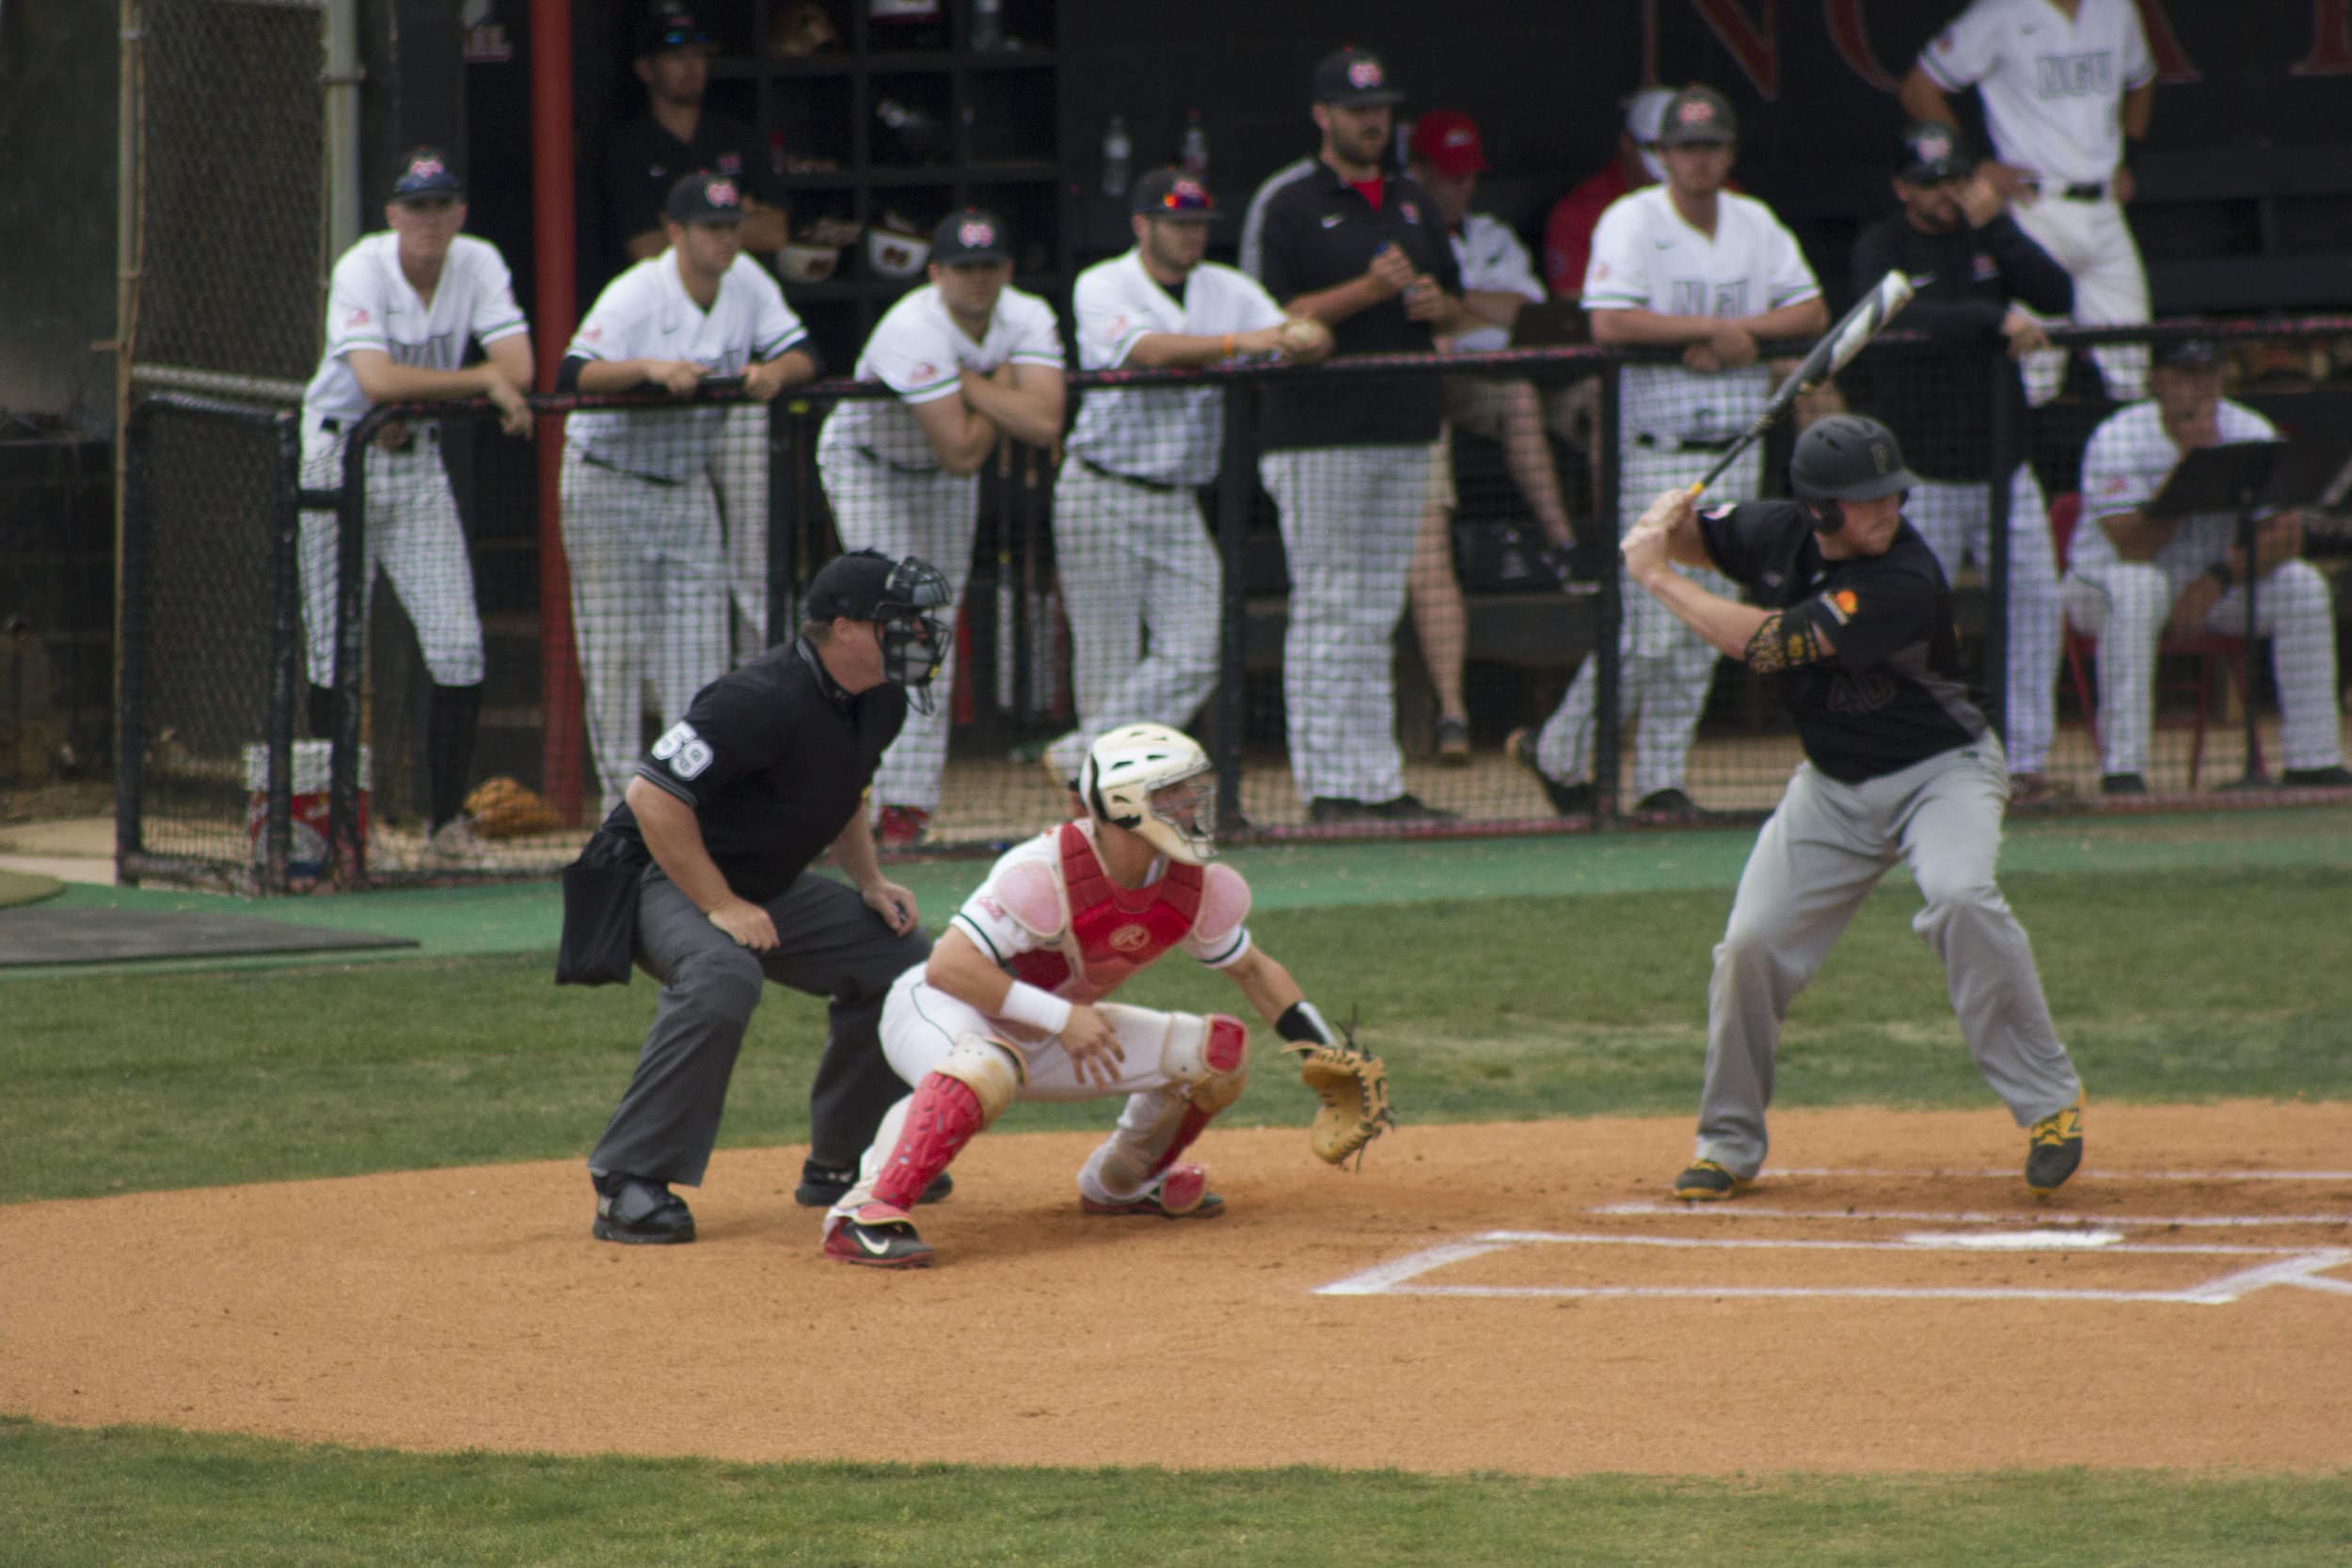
point(1553, 323)
point(2229, 477)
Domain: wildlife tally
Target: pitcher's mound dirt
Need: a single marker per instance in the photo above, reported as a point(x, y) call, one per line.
point(469, 1308)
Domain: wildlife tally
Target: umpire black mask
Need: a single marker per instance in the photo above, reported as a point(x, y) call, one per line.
point(914, 642)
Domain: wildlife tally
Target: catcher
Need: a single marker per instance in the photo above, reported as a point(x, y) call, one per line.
point(1013, 1004)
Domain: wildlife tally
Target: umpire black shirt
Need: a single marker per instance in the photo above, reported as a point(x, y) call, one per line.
point(645, 160)
point(1938, 401)
point(1895, 692)
point(774, 757)
point(1319, 232)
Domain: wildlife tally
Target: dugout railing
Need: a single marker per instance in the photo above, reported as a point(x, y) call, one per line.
point(202, 805)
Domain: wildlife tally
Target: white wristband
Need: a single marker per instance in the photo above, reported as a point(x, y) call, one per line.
point(1038, 1009)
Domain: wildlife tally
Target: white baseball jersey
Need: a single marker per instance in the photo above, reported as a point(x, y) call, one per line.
point(1172, 435)
point(1647, 258)
point(1492, 258)
point(1252, 249)
point(371, 304)
point(2125, 464)
point(916, 350)
point(2053, 89)
point(646, 313)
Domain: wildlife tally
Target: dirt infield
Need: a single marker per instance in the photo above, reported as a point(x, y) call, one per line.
point(1515, 1298)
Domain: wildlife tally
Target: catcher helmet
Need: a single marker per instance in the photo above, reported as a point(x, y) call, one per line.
point(1133, 778)
point(1845, 458)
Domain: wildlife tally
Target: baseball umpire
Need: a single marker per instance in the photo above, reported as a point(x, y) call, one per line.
point(767, 771)
point(1852, 610)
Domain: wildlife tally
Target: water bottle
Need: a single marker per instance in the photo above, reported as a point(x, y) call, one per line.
point(1192, 153)
point(988, 23)
point(1119, 155)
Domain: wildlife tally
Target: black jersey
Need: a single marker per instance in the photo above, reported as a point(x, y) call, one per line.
point(774, 757)
point(1895, 692)
point(1320, 231)
point(645, 160)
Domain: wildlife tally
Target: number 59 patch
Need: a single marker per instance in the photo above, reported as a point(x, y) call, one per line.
point(685, 753)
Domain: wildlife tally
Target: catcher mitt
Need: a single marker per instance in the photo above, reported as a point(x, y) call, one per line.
point(1354, 1089)
point(504, 808)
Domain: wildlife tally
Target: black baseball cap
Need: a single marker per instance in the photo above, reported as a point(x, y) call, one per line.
point(1353, 77)
point(705, 198)
point(1931, 154)
point(970, 236)
point(1166, 193)
point(426, 175)
point(859, 584)
point(2187, 353)
point(666, 26)
point(1698, 115)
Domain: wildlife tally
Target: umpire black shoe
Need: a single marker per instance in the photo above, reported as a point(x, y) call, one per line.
point(822, 1186)
point(1568, 799)
point(2122, 783)
point(639, 1213)
point(2317, 778)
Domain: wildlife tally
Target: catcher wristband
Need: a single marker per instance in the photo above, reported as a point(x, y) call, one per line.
point(1302, 1024)
point(1038, 1009)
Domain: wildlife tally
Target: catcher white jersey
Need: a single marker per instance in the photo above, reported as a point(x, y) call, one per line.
point(915, 350)
point(2053, 88)
point(1173, 436)
point(646, 313)
point(2124, 468)
point(371, 304)
point(1646, 258)
point(1492, 258)
point(1024, 907)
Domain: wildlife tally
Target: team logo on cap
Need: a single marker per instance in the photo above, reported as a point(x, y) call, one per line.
point(1186, 196)
point(977, 233)
point(1363, 73)
point(721, 193)
point(1460, 136)
point(427, 168)
point(1882, 457)
point(1694, 111)
point(1934, 145)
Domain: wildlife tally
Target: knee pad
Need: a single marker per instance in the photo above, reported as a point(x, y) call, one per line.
point(992, 1070)
point(1208, 1056)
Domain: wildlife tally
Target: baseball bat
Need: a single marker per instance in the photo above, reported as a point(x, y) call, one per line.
point(1833, 354)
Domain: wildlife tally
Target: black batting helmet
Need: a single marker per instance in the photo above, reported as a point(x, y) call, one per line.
point(1848, 458)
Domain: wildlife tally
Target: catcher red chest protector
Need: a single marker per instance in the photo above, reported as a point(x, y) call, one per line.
point(1113, 931)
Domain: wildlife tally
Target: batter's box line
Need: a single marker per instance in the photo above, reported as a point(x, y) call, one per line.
point(2083, 1175)
point(2293, 1267)
point(1749, 1208)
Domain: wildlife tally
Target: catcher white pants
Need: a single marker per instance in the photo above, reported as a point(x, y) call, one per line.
point(1954, 520)
point(738, 470)
point(932, 515)
point(649, 601)
point(920, 1024)
point(1135, 563)
point(2124, 605)
point(413, 535)
point(2094, 244)
point(1816, 859)
point(1349, 518)
point(1664, 668)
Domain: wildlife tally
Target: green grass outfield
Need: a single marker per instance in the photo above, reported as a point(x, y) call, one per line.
point(2185, 959)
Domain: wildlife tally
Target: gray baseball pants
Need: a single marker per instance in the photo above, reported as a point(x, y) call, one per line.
point(829, 944)
point(1815, 862)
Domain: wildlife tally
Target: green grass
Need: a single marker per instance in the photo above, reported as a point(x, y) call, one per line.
point(68, 1498)
point(2168, 986)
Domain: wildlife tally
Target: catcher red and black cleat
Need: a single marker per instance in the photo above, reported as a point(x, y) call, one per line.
point(1182, 1194)
point(879, 1236)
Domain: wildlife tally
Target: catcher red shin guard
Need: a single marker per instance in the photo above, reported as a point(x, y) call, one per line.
point(940, 1120)
point(1228, 1040)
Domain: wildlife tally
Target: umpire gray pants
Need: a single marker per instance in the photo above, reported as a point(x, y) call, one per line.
point(1815, 862)
point(829, 944)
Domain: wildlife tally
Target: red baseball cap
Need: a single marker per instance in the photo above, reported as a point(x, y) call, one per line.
point(1447, 140)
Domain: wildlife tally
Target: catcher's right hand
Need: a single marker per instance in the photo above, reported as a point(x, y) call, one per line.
point(1354, 1089)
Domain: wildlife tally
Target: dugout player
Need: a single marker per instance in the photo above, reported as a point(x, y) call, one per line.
point(1348, 461)
point(400, 309)
point(968, 358)
point(641, 522)
point(2063, 82)
point(1851, 611)
point(765, 772)
point(1131, 549)
point(675, 136)
point(1980, 281)
point(1013, 1003)
point(1691, 266)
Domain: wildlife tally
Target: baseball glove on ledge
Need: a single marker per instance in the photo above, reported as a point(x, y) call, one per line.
point(505, 808)
point(1354, 1089)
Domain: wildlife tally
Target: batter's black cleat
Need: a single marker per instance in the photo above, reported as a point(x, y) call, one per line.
point(878, 1237)
point(637, 1212)
point(2053, 1148)
point(1705, 1181)
point(1568, 799)
point(822, 1186)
